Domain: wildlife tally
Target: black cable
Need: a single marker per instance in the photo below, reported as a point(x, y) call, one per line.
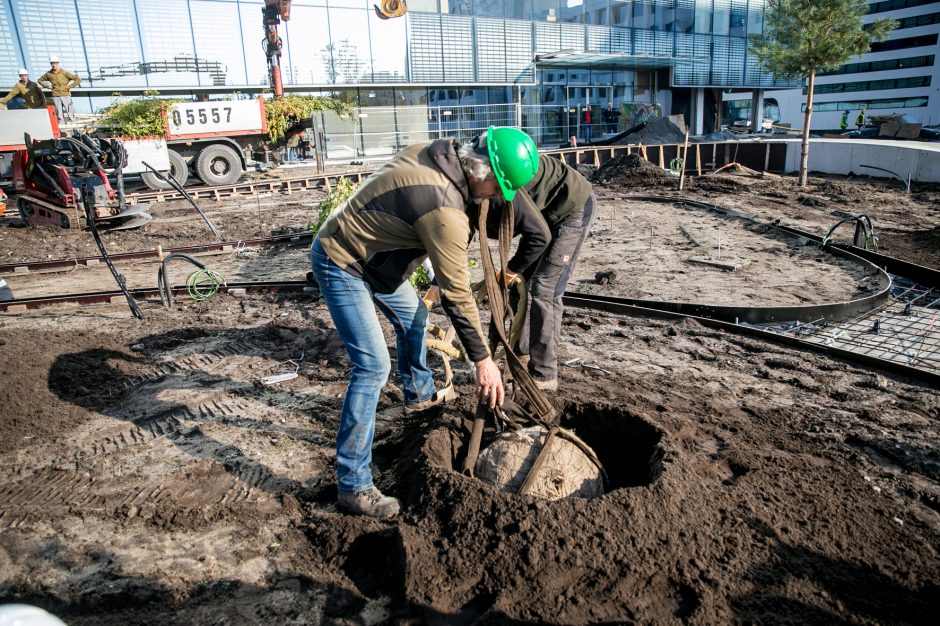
point(93, 227)
point(170, 181)
point(163, 281)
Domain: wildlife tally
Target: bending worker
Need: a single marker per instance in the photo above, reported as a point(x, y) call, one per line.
point(564, 203)
point(32, 95)
point(413, 208)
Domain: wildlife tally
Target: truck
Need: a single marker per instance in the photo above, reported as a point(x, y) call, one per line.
point(215, 141)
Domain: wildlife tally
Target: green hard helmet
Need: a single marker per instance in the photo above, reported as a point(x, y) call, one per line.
point(513, 156)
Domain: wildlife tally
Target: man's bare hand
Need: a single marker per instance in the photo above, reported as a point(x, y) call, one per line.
point(489, 383)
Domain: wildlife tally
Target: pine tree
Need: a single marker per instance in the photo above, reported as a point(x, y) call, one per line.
point(802, 37)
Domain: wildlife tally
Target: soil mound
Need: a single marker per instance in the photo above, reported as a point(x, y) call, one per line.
point(632, 169)
point(658, 131)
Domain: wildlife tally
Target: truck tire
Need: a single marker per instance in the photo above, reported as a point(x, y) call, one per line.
point(179, 172)
point(219, 165)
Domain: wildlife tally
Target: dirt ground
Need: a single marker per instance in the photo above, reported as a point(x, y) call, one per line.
point(149, 476)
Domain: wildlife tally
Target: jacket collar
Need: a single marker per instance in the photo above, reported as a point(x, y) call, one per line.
point(444, 154)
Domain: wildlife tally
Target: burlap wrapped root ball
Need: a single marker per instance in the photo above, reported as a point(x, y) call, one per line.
point(566, 472)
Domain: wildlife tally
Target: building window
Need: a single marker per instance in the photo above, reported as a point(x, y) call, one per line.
point(903, 44)
point(882, 66)
point(902, 103)
point(703, 16)
point(893, 5)
point(621, 12)
point(873, 85)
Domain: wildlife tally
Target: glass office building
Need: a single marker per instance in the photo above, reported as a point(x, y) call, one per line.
point(548, 53)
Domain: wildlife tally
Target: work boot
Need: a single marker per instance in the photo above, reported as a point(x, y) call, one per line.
point(547, 385)
point(440, 396)
point(369, 502)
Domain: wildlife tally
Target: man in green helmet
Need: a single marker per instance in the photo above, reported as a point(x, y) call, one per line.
point(553, 216)
point(413, 208)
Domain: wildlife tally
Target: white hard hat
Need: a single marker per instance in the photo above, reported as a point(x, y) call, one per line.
point(26, 615)
point(53, 59)
point(23, 70)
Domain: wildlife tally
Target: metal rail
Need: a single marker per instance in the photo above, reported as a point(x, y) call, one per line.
point(65, 265)
point(611, 305)
point(23, 305)
point(286, 186)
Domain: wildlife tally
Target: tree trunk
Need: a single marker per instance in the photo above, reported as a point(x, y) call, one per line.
point(804, 148)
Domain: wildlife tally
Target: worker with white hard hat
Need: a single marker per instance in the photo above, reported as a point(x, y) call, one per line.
point(60, 82)
point(26, 89)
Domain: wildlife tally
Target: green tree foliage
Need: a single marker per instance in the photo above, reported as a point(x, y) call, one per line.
point(281, 112)
point(138, 117)
point(340, 192)
point(803, 37)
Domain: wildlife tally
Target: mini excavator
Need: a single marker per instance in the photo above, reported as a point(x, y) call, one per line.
point(64, 182)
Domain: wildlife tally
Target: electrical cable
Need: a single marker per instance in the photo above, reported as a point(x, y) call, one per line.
point(179, 188)
point(119, 278)
point(201, 284)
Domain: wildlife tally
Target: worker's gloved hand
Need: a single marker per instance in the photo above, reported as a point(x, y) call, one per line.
point(510, 279)
point(3, 107)
point(479, 291)
point(431, 296)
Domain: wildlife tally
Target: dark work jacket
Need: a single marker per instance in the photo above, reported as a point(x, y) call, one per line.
point(413, 208)
point(527, 222)
point(556, 192)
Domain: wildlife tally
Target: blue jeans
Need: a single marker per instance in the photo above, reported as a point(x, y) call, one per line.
point(350, 301)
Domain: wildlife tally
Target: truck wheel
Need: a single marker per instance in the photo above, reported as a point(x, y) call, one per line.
point(219, 165)
point(179, 172)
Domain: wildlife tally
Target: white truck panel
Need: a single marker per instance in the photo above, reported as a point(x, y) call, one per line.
point(153, 151)
point(220, 117)
point(14, 123)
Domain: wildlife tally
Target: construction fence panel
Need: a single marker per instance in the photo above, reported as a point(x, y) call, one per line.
point(376, 132)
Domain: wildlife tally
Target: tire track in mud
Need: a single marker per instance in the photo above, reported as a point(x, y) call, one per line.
point(230, 480)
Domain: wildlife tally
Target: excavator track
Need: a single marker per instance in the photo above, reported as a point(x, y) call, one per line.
point(36, 212)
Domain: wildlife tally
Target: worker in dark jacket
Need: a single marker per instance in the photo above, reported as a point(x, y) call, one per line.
point(412, 209)
point(611, 117)
point(565, 201)
point(32, 95)
point(60, 82)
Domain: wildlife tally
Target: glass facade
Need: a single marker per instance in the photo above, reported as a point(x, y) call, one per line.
point(556, 58)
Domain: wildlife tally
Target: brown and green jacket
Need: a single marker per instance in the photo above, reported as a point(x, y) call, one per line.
point(32, 94)
point(556, 192)
point(61, 83)
point(411, 209)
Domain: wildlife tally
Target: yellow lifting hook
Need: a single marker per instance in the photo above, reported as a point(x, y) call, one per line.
point(391, 8)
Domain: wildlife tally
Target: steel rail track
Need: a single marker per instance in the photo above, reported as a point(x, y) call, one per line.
point(65, 265)
point(611, 305)
point(23, 305)
point(723, 317)
point(572, 299)
point(249, 188)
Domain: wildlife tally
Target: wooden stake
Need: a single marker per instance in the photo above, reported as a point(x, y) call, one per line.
point(685, 154)
point(698, 159)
